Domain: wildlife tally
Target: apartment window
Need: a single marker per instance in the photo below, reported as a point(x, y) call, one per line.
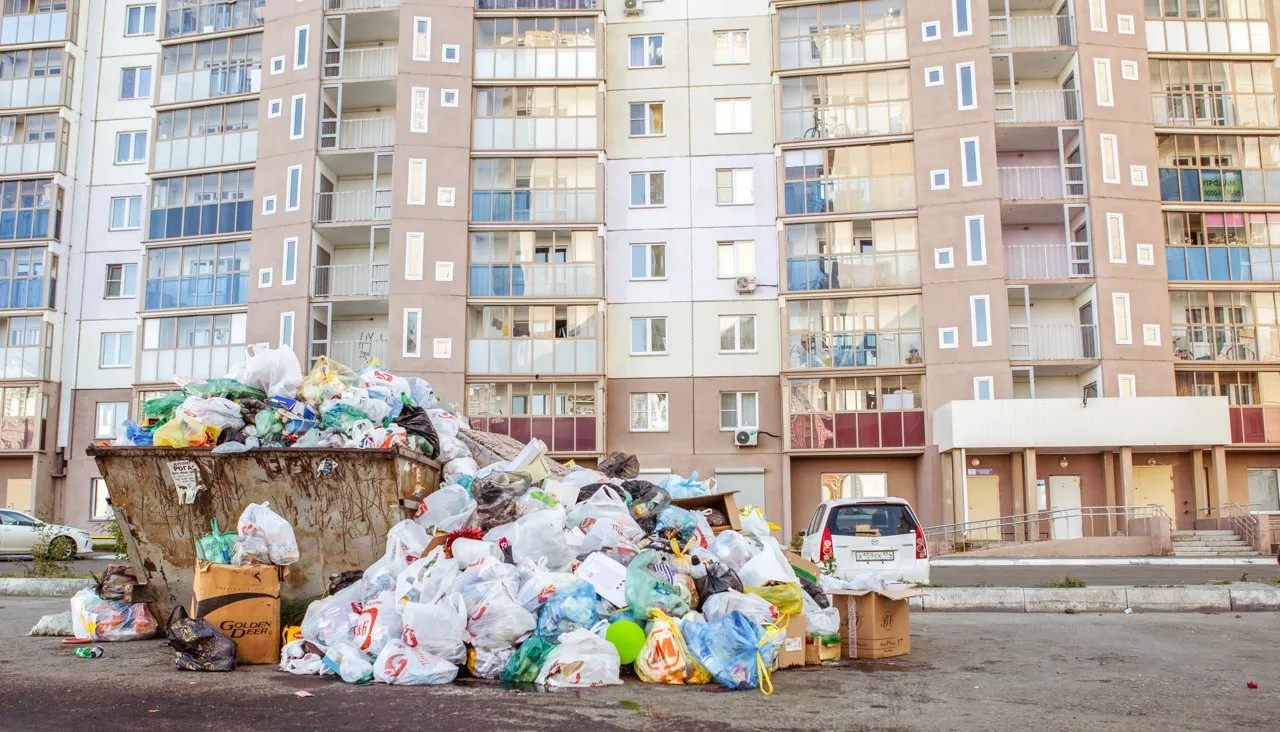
point(111, 419)
point(984, 388)
point(543, 118)
point(277, 65)
point(1264, 489)
point(1129, 71)
point(647, 119)
point(841, 34)
point(1128, 386)
point(966, 93)
point(646, 52)
point(1138, 176)
point(853, 104)
point(197, 205)
point(543, 190)
point(1098, 15)
point(732, 47)
point(1110, 159)
point(297, 116)
point(737, 333)
point(286, 330)
point(274, 108)
point(649, 412)
point(1150, 334)
point(131, 147)
point(943, 258)
point(448, 97)
point(853, 179)
point(1213, 168)
point(414, 250)
point(450, 53)
point(545, 48)
point(293, 195)
point(117, 350)
point(269, 205)
point(301, 40)
point(422, 39)
point(417, 195)
point(939, 180)
point(140, 20)
point(122, 281)
point(948, 338)
point(1120, 310)
point(1115, 238)
point(961, 24)
point(446, 197)
point(648, 336)
point(933, 76)
point(975, 236)
point(648, 189)
point(735, 186)
point(265, 277)
point(930, 31)
point(888, 411)
point(412, 344)
point(213, 68)
point(980, 319)
point(970, 162)
point(444, 272)
point(1218, 94)
point(418, 109)
point(739, 410)
point(213, 119)
point(289, 265)
point(135, 82)
point(1124, 24)
point(99, 500)
point(1146, 255)
point(33, 64)
point(736, 259)
point(197, 276)
point(126, 213)
point(733, 116)
point(1102, 80)
point(648, 261)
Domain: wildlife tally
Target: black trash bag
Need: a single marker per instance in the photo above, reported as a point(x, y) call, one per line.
point(647, 501)
point(588, 491)
point(200, 645)
point(710, 578)
point(415, 421)
point(343, 580)
point(496, 496)
point(619, 464)
point(815, 593)
point(116, 582)
point(250, 408)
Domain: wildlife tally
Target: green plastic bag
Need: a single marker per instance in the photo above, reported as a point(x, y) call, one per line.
point(645, 592)
point(229, 388)
point(786, 596)
point(161, 409)
point(342, 417)
point(269, 426)
point(216, 546)
point(524, 666)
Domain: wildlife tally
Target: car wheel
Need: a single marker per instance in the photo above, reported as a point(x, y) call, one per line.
point(62, 548)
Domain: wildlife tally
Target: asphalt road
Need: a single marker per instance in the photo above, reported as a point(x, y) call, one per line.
point(997, 671)
point(1094, 576)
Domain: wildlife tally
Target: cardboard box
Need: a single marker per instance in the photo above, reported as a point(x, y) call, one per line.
point(244, 603)
point(803, 567)
point(792, 653)
point(815, 652)
point(723, 502)
point(875, 623)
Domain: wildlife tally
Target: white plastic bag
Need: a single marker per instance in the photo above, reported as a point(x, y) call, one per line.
point(213, 411)
point(349, 662)
point(820, 620)
point(457, 468)
point(470, 551)
point(360, 400)
point(760, 610)
point(495, 619)
point(488, 569)
point(770, 565)
point(397, 385)
point(539, 583)
point(439, 628)
point(258, 518)
point(403, 665)
point(378, 625)
point(755, 524)
point(487, 663)
point(273, 370)
point(447, 510)
point(296, 660)
point(583, 659)
point(331, 618)
point(93, 618)
point(733, 549)
point(539, 537)
point(427, 579)
point(447, 426)
point(606, 520)
point(407, 541)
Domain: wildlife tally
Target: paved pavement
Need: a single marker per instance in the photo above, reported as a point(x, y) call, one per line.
point(92, 564)
point(966, 671)
point(1096, 576)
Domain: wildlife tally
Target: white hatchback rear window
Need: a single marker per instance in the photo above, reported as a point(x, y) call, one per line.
point(871, 519)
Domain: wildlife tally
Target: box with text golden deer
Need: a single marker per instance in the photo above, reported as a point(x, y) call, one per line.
point(244, 603)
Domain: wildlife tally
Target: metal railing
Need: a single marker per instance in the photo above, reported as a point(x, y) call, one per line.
point(1032, 31)
point(356, 134)
point(1226, 342)
point(360, 4)
point(1064, 523)
point(1048, 261)
point(1037, 105)
point(536, 4)
point(1244, 523)
point(1063, 342)
point(340, 206)
point(351, 280)
point(356, 354)
point(1030, 182)
point(360, 63)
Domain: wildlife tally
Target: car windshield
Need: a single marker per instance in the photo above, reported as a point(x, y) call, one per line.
point(871, 519)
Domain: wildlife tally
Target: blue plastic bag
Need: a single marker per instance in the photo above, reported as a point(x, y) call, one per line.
point(571, 607)
point(645, 591)
point(135, 434)
point(679, 521)
point(736, 651)
point(678, 487)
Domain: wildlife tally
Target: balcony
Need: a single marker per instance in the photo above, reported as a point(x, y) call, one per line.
point(562, 434)
point(240, 76)
point(1059, 342)
point(36, 27)
point(533, 355)
point(1254, 425)
point(1037, 105)
point(357, 134)
point(852, 349)
point(1039, 182)
point(857, 430)
point(853, 271)
point(25, 348)
point(353, 353)
point(339, 6)
point(41, 91)
point(196, 17)
point(353, 206)
point(351, 280)
point(1032, 31)
point(561, 279)
point(1048, 261)
point(1226, 342)
point(30, 210)
point(1204, 109)
point(523, 5)
point(32, 157)
point(353, 64)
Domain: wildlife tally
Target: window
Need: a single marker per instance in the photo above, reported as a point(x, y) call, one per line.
point(736, 259)
point(301, 39)
point(649, 412)
point(849, 485)
point(277, 65)
point(297, 116)
point(289, 265)
point(1102, 80)
point(1110, 159)
point(417, 195)
point(414, 245)
point(851, 104)
point(948, 338)
point(274, 108)
point(648, 261)
point(1120, 311)
point(1128, 386)
point(733, 116)
point(293, 194)
point(265, 276)
point(841, 34)
point(412, 333)
point(197, 276)
point(852, 179)
point(943, 258)
point(1138, 176)
point(444, 272)
point(647, 119)
point(117, 351)
point(442, 348)
point(111, 419)
point(737, 333)
point(735, 186)
point(970, 163)
point(1115, 238)
point(1098, 15)
point(126, 213)
point(140, 20)
point(1264, 489)
point(646, 52)
point(1129, 70)
point(980, 319)
point(739, 410)
point(966, 94)
point(1150, 334)
point(542, 48)
point(1124, 25)
point(450, 53)
point(960, 22)
point(269, 204)
point(1146, 255)
point(418, 109)
point(732, 47)
point(122, 281)
point(893, 404)
point(421, 39)
point(930, 31)
point(939, 180)
point(100, 503)
point(984, 388)
point(975, 237)
point(648, 336)
point(648, 189)
point(448, 97)
point(542, 190)
point(933, 76)
point(203, 121)
point(135, 82)
point(286, 330)
point(446, 197)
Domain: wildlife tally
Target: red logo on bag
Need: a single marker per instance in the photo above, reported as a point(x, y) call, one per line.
point(395, 666)
point(364, 627)
point(410, 638)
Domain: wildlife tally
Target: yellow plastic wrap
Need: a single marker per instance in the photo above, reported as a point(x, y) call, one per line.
point(786, 596)
point(665, 659)
point(185, 432)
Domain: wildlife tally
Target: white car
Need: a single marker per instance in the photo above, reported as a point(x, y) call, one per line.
point(877, 535)
point(20, 532)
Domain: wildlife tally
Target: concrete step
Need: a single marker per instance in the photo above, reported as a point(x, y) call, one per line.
point(1209, 542)
point(1201, 532)
point(1241, 552)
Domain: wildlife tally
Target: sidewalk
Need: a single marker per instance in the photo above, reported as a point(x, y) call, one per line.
point(1238, 597)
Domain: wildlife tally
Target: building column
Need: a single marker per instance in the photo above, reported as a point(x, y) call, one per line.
point(786, 497)
point(1109, 483)
point(1201, 484)
point(1219, 481)
point(952, 482)
point(1126, 476)
point(1017, 487)
point(1031, 497)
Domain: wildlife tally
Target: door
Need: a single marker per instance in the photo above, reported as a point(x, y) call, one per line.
point(321, 325)
point(1070, 96)
point(17, 493)
point(1088, 345)
point(1064, 496)
point(1153, 485)
point(982, 502)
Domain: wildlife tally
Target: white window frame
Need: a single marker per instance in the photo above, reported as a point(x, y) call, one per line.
point(289, 261)
point(970, 259)
point(647, 37)
point(1119, 307)
point(939, 180)
point(1110, 148)
point(948, 338)
point(1150, 334)
point(416, 190)
point(1104, 90)
point(737, 411)
point(737, 333)
point(451, 53)
point(737, 246)
point(419, 109)
point(293, 188)
point(739, 178)
point(944, 258)
point(929, 76)
point(1129, 70)
point(1138, 176)
point(448, 97)
point(973, 319)
point(128, 275)
point(930, 30)
point(275, 108)
point(1116, 247)
point(287, 322)
point(421, 40)
point(111, 213)
point(648, 246)
point(444, 271)
point(1146, 254)
point(298, 117)
point(276, 65)
point(1124, 25)
point(961, 9)
point(96, 485)
point(977, 158)
point(113, 408)
point(647, 188)
point(102, 350)
point(133, 158)
point(648, 118)
point(446, 197)
point(651, 399)
point(734, 109)
point(416, 314)
point(266, 276)
point(269, 205)
point(715, 36)
point(301, 46)
point(648, 335)
point(142, 19)
point(973, 86)
point(1126, 383)
point(1098, 15)
point(978, 383)
point(137, 92)
point(415, 252)
point(442, 348)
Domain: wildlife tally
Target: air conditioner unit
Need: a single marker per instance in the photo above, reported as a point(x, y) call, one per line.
point(746, 438)
point(746, 284)
point(633, 7)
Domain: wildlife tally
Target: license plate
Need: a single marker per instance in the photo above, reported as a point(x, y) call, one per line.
point(873, 556)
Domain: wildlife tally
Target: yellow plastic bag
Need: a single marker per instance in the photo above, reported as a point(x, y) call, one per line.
point(185, 432)
point(327, 380)
point(665, 659)
point(786, 596)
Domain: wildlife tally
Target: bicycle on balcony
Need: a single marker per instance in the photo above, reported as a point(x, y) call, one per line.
point(823, 130)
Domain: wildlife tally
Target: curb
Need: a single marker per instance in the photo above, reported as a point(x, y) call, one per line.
point(1202, 598)
point(32, 587)
point(1108, 562)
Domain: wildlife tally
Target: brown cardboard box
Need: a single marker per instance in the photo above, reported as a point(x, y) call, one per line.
point(792, 653)
point(803, 567)
point(720, 501)
point(815, 653)
point(244, 603)
point(875, 624)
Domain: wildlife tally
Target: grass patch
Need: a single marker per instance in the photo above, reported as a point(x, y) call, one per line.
point(1065, 583)
point(1271, 581)
point(1162, 586)
point(1219, 582)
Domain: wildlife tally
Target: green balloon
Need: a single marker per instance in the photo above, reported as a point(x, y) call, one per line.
point(628, 638)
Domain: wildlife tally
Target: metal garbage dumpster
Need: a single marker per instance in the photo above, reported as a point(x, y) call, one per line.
point(340, 502)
